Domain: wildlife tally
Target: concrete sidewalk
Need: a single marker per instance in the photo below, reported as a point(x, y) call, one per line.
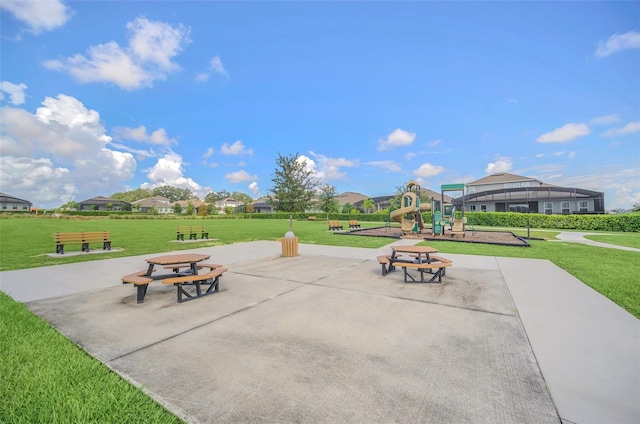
point(323, 337)
point(579, 237)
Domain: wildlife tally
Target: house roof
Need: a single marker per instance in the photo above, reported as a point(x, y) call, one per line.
point(8, 198)
point(184, 203)
point(500, 178)
point(350, 197)
point(101, 200)
point(153, 202)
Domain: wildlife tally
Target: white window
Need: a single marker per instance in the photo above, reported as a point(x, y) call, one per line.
point(472, 208)
point(483, 208)
point(583, 206)
point(565, 207)
point(471, 190)
point(548, 208)
point(524, 184)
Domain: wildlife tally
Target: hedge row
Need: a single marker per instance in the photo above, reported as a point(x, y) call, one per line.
point(622, 222)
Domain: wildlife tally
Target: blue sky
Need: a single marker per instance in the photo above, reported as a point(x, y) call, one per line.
point(101, 97)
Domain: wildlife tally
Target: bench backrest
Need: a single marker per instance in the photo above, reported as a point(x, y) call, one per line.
point(82, 236)
point(190, 228)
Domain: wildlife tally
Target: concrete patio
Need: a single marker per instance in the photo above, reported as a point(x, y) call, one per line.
point(323, 337)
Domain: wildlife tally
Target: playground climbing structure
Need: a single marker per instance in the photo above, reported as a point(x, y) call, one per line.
point(409, 214)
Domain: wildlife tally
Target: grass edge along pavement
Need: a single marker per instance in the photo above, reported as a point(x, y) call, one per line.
point(46, 377)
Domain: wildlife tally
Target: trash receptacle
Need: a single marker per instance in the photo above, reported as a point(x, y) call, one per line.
point(289, 246)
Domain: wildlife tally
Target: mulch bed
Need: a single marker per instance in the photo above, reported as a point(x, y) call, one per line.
point(488, 237)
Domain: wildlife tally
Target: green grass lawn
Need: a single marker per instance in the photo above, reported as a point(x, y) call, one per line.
point(47, 378)
point(621, 239)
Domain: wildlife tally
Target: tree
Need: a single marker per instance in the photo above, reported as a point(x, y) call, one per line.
point(368, 205)
point(177, 209)
point(327, 199)
point(346, 208)
point(131, 195)
point(636, 207)
point(190, 209)
point(293, 186)
point(172, 193)
point(216, 196)
point(241, 197)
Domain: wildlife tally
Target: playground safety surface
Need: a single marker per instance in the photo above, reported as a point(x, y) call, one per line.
point(488, 237)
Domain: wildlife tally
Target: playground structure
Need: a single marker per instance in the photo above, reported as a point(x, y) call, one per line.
point(448, 213)
point(443, 215)
point(409, 214)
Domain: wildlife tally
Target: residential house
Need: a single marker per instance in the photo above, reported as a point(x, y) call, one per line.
point(184, 204)
point(350, 197)
point(160, 204)
point(9, 203)
point(262, 205)
point(101, 203)
point(504, 192)
point(221, 205)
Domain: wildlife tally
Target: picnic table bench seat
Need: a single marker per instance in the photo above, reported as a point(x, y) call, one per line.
point(436, 268)
point(141, 282)
point(353, 223)
point(83, 238)
point(311, 218)
point(335, 225)
point(193, 231)
point(211, 278)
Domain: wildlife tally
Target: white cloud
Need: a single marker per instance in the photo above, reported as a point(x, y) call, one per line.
point(434, 143)
point(39, 15)
point(618, 42)
point(235, 149)
point(427, 170)
point(502, 164)
point(386, 165)
point(630, 128)
point(148, 57)
point(37, 180)
point(62, 146)
point(396, 138)
point(254, 188)
point(210, 151)
point(331, 168)
point(15, 92)
point(606, 119)
point(310, 166)
point(158, 137)
point(239, 177)
point(169, 170)
point(215, 64)
point(565, 133)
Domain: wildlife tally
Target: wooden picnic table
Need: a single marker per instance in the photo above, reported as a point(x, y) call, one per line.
point(421, 253)
point(183, 258)
point(419, 259)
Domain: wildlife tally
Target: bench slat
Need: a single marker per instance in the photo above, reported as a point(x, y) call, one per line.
point(190, 278)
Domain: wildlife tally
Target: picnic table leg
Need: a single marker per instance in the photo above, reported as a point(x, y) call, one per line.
point(142, 291)
point(149, 270)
